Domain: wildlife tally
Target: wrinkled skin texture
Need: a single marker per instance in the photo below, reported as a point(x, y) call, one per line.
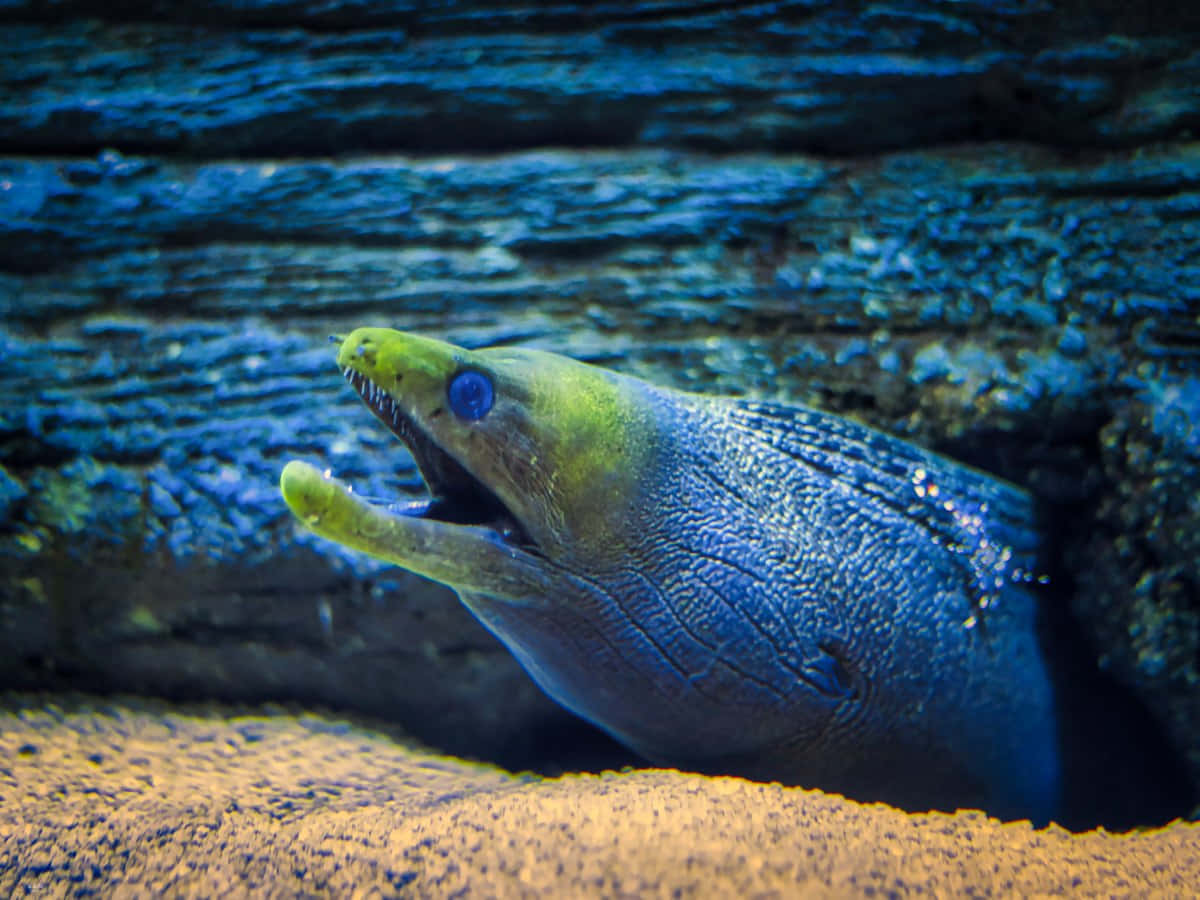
point(721, 584)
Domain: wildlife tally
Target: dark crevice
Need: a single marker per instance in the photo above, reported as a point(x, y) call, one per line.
point(612, 129)
point(327, 18)
point(1119, 768)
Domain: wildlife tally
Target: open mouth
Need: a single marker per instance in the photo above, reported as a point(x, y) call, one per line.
point(455, 495)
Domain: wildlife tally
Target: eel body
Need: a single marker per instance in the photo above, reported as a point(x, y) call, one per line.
point(722, 584)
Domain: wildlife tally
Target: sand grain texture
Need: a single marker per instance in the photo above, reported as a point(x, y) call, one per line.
point(148, 800)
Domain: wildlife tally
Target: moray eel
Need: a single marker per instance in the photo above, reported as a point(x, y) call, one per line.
point(722, 584)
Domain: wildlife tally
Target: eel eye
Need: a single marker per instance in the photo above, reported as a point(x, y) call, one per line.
point(470, 395)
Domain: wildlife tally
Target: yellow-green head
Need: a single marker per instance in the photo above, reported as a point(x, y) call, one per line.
point(525, 448)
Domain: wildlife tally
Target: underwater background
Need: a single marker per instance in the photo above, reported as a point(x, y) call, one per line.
point(973, 225)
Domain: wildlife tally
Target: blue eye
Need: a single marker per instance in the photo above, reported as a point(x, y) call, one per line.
point(471, 395)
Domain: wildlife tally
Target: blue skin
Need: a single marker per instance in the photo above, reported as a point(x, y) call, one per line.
point(861, 648)
point(722, 585)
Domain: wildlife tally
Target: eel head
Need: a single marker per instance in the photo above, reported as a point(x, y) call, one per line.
point(532, 463)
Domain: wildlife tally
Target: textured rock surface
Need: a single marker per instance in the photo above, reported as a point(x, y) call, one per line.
point(992, 302)
point(173, 255)
point(304, 77)
point(168, 803)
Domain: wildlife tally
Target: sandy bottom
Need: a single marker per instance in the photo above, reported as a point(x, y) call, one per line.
point(143, 799)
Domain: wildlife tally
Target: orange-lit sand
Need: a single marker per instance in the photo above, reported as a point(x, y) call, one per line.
point(148, 801)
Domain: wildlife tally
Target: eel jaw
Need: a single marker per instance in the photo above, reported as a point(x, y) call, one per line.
point(456, 497)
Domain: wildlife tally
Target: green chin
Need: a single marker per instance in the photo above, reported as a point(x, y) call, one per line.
point(469, 558)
